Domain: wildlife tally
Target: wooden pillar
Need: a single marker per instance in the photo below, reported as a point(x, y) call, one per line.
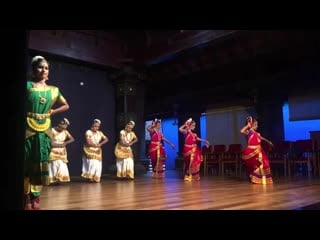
point(128, 107)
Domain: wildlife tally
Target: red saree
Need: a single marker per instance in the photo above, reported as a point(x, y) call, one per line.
point(256, 160)
point(192, 157)
point(157, 154)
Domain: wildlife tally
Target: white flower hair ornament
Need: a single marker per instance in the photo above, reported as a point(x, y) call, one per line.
point(188, 122)
point(66, 121)
point(156, 120)
point(36, 58)
point(97, 121)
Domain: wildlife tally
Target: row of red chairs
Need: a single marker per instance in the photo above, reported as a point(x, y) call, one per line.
point(292, 155)
point(288, 155)
point(218, 155)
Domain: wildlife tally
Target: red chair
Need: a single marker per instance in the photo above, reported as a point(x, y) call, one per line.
point(214, 158)
point(205, 152)
point(279, 155)
point(302, 155)
point(233, 157)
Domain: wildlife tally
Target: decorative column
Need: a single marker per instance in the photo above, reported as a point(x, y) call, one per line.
point(126, 99)
point(130, 106)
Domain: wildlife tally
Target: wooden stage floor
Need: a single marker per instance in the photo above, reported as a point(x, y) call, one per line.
point(172, 193)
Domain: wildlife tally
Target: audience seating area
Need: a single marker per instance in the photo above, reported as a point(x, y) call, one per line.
point(299, 158)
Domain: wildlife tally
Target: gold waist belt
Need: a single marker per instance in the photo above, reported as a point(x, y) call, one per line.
point(192, 145)
point(155, 142)
point(38, 116)
point(254, 146)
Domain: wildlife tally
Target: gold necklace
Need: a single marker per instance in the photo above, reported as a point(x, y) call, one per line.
point(42, 99)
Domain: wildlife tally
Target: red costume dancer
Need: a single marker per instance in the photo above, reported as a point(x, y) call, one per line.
point(191, 151)
point(254, 157)
point(157, 152)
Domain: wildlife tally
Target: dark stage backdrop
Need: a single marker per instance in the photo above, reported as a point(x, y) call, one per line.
point(90, 95)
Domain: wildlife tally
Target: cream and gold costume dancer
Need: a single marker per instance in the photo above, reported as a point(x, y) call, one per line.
point(123, 152)
point(58, 168)
point(92, 152)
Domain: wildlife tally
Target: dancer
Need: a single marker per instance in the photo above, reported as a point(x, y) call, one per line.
point(40, 100)
point(191, 151)
point(123, 152)
point(58, 168)
point(92, 152)
point(254, 157)
point(157, 152)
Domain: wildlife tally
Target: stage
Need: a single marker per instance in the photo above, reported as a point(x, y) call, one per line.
point(173, 193)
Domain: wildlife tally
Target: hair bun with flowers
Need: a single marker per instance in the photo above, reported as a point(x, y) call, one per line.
point(155, 121)
point(66, 121)
point(37, 58)
point(188, 122)
point(97, 121)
